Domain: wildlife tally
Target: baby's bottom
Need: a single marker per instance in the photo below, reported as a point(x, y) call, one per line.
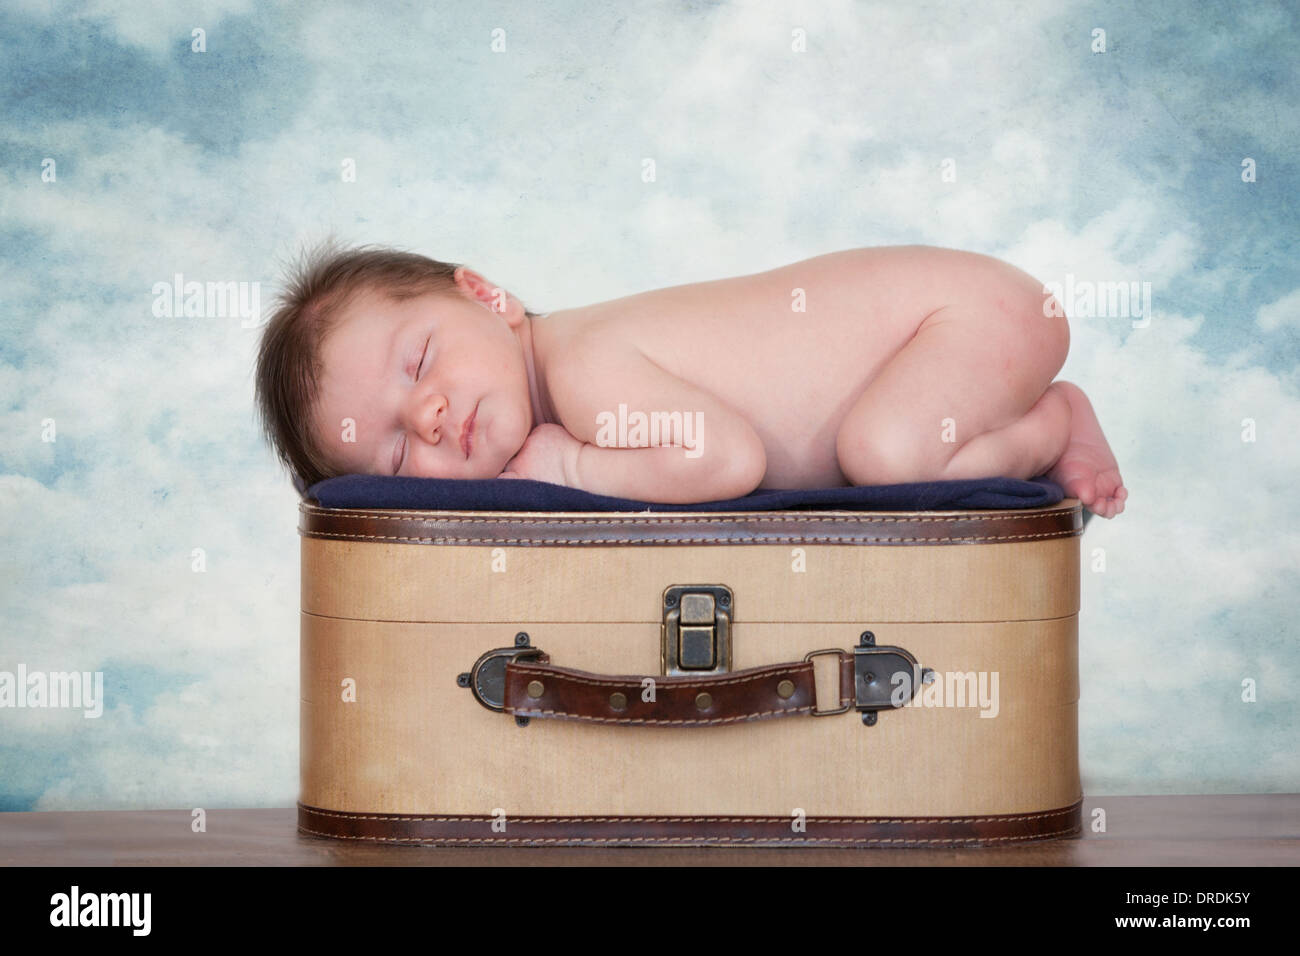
point(972, 397)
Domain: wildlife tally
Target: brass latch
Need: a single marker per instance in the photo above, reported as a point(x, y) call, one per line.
point(695, 636)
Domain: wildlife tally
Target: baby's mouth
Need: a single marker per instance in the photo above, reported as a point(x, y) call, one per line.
point(467, 432)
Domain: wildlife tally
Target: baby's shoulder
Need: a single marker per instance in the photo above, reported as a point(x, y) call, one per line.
point(590, 333)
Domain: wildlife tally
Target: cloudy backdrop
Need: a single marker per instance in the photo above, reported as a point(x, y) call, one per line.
point(526, 163)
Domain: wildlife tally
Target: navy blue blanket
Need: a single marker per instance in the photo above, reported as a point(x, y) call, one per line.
point(523, 494)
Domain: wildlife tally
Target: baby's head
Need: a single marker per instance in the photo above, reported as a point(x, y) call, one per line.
point(375, 360)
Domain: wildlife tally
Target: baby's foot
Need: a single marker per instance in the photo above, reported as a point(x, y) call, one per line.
point(1087, 469)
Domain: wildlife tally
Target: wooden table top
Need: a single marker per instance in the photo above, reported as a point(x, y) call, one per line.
point(1218, 830)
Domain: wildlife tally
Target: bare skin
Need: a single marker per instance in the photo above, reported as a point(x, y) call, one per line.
point(868, 366)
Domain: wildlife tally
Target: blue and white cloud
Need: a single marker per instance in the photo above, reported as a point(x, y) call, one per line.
point(526, 163)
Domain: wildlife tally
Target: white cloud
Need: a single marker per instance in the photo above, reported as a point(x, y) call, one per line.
point(1285, 311)
point(158, 27)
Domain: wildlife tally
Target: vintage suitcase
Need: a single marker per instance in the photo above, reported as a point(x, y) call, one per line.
point(823, 678)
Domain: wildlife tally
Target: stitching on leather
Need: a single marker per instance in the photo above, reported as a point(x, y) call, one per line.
point(901, 841)
point(597, 518)
point(750, 715)
point(795, 670)
point(734, 539)
point(668, 818)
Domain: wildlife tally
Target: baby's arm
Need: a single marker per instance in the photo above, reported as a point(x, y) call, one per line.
point(726, 458)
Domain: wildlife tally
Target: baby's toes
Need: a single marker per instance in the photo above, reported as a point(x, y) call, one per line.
point(1109, 486)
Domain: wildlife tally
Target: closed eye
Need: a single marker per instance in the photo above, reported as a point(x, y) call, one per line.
point(399, 453)
point(422, 357)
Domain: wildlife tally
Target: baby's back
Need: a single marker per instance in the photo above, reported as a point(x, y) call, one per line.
point(789, 349)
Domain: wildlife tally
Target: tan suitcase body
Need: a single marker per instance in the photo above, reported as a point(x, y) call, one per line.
point(400, 742)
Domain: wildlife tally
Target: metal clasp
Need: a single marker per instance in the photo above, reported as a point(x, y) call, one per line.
point(695, 636)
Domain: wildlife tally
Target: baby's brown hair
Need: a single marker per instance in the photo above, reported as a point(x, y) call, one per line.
point(287, 379)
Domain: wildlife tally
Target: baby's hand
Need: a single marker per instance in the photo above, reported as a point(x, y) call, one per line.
point(549, 453)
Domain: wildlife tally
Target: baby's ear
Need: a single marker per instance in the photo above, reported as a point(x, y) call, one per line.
point(490, 296)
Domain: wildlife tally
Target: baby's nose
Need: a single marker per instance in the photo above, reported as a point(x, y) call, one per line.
point(431, 417)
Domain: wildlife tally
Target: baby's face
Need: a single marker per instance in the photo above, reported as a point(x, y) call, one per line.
point(412, 375)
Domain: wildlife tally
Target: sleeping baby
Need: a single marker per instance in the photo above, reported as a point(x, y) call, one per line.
point(865, 367)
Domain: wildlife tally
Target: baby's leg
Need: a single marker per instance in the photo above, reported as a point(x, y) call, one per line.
point(1059, 437)
point(1026, 448)
point(971, 396)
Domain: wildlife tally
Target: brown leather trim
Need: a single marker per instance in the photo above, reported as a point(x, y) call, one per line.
point(476, 830)
point(622, 528)
point(680, 701)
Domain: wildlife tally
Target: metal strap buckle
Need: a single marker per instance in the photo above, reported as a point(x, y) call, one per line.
point(487, 679)
point(809, 656)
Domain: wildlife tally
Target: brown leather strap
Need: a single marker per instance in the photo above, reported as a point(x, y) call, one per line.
point(627, 529)
point(636, 829)
point(536, 688)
